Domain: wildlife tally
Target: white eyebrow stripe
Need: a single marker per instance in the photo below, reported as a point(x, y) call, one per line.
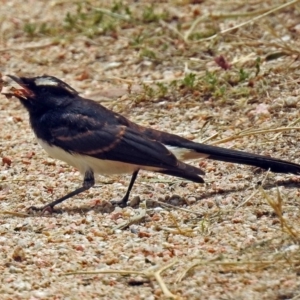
point(46, 81)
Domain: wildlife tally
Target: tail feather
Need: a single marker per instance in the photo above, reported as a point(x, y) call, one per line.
point(185, 149)
point(240, 157)
point(188, 176)
point(186, 171)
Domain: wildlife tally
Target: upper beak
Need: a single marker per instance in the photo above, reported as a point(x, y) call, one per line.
point(23, 93)
point(16, 79)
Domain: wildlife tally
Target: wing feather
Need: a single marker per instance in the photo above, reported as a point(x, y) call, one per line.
point(83, 135)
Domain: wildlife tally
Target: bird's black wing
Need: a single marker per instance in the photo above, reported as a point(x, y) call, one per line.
point(87, 136)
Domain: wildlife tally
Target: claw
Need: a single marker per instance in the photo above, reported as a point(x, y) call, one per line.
point(49, 209)
point(120, 203)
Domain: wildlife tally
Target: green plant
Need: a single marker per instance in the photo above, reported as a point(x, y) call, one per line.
point(162, 89)
point(257, 65)
point(189, 80)
point(149, 15)
point(243, 75)
point(220, 92)
point(30, 29)
point(211, 79)
point(147, 53)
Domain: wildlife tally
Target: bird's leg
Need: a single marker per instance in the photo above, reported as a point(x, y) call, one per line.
point(88, 182)
point(123, 202)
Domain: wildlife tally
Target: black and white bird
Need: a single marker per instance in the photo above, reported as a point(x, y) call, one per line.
point(94, 139)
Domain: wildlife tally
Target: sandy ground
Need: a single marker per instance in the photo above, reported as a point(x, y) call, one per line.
point(189, 67)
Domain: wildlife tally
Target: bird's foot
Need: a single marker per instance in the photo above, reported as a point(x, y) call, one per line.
point(120, 203)
point(44, 209)
point(133, 202)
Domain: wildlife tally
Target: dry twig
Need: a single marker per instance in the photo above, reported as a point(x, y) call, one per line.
point(149, 273)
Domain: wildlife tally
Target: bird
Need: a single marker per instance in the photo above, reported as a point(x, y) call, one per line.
point(96, 140)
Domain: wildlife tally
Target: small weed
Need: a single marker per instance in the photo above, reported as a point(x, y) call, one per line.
point(137, 40)
point(147, 53)
point(90, 21)
point(220, 92)
point(128, 11)
point(196, 36)
point(162, 89)
point(257, 65)
point(119, 6)
point(211, 79)
point(149, 15)
point(148, 91)
point(147, 94)
point(97, 18)
point(70, 21)
point(30, 29)
point(243, 75)
point(33, 30)
point(189, 80)
point(109, 27)
point(153, 92)
point(44, 29)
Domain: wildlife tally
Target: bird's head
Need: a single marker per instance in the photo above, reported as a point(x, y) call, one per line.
point(42, 93)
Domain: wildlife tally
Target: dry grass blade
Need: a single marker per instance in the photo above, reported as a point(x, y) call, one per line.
point(135, 219)
point(261, 264)
point(277, 207)
point(220, 16)
point(121, 272)
point(253, 132)
point(160, 281)
point(149, 273)
point(189, 232)
point(173, 29)
point(33, 46)
point(13, 213)
point(296, 297)
point(289, 126)
point(112, 14)
point(210, 138)
point(178, 208)
point(247, 199)
point(255, 192)
point(271, 11)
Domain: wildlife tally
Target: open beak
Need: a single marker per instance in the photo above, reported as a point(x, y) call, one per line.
point(24, 92)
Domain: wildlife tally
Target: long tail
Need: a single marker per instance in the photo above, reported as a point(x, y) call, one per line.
point(240, 157)
point(185, 149)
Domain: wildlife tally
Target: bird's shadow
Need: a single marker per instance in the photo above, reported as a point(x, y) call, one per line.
point(107, 207)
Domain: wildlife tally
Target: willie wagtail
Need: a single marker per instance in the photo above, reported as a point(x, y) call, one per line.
point(95, 139)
